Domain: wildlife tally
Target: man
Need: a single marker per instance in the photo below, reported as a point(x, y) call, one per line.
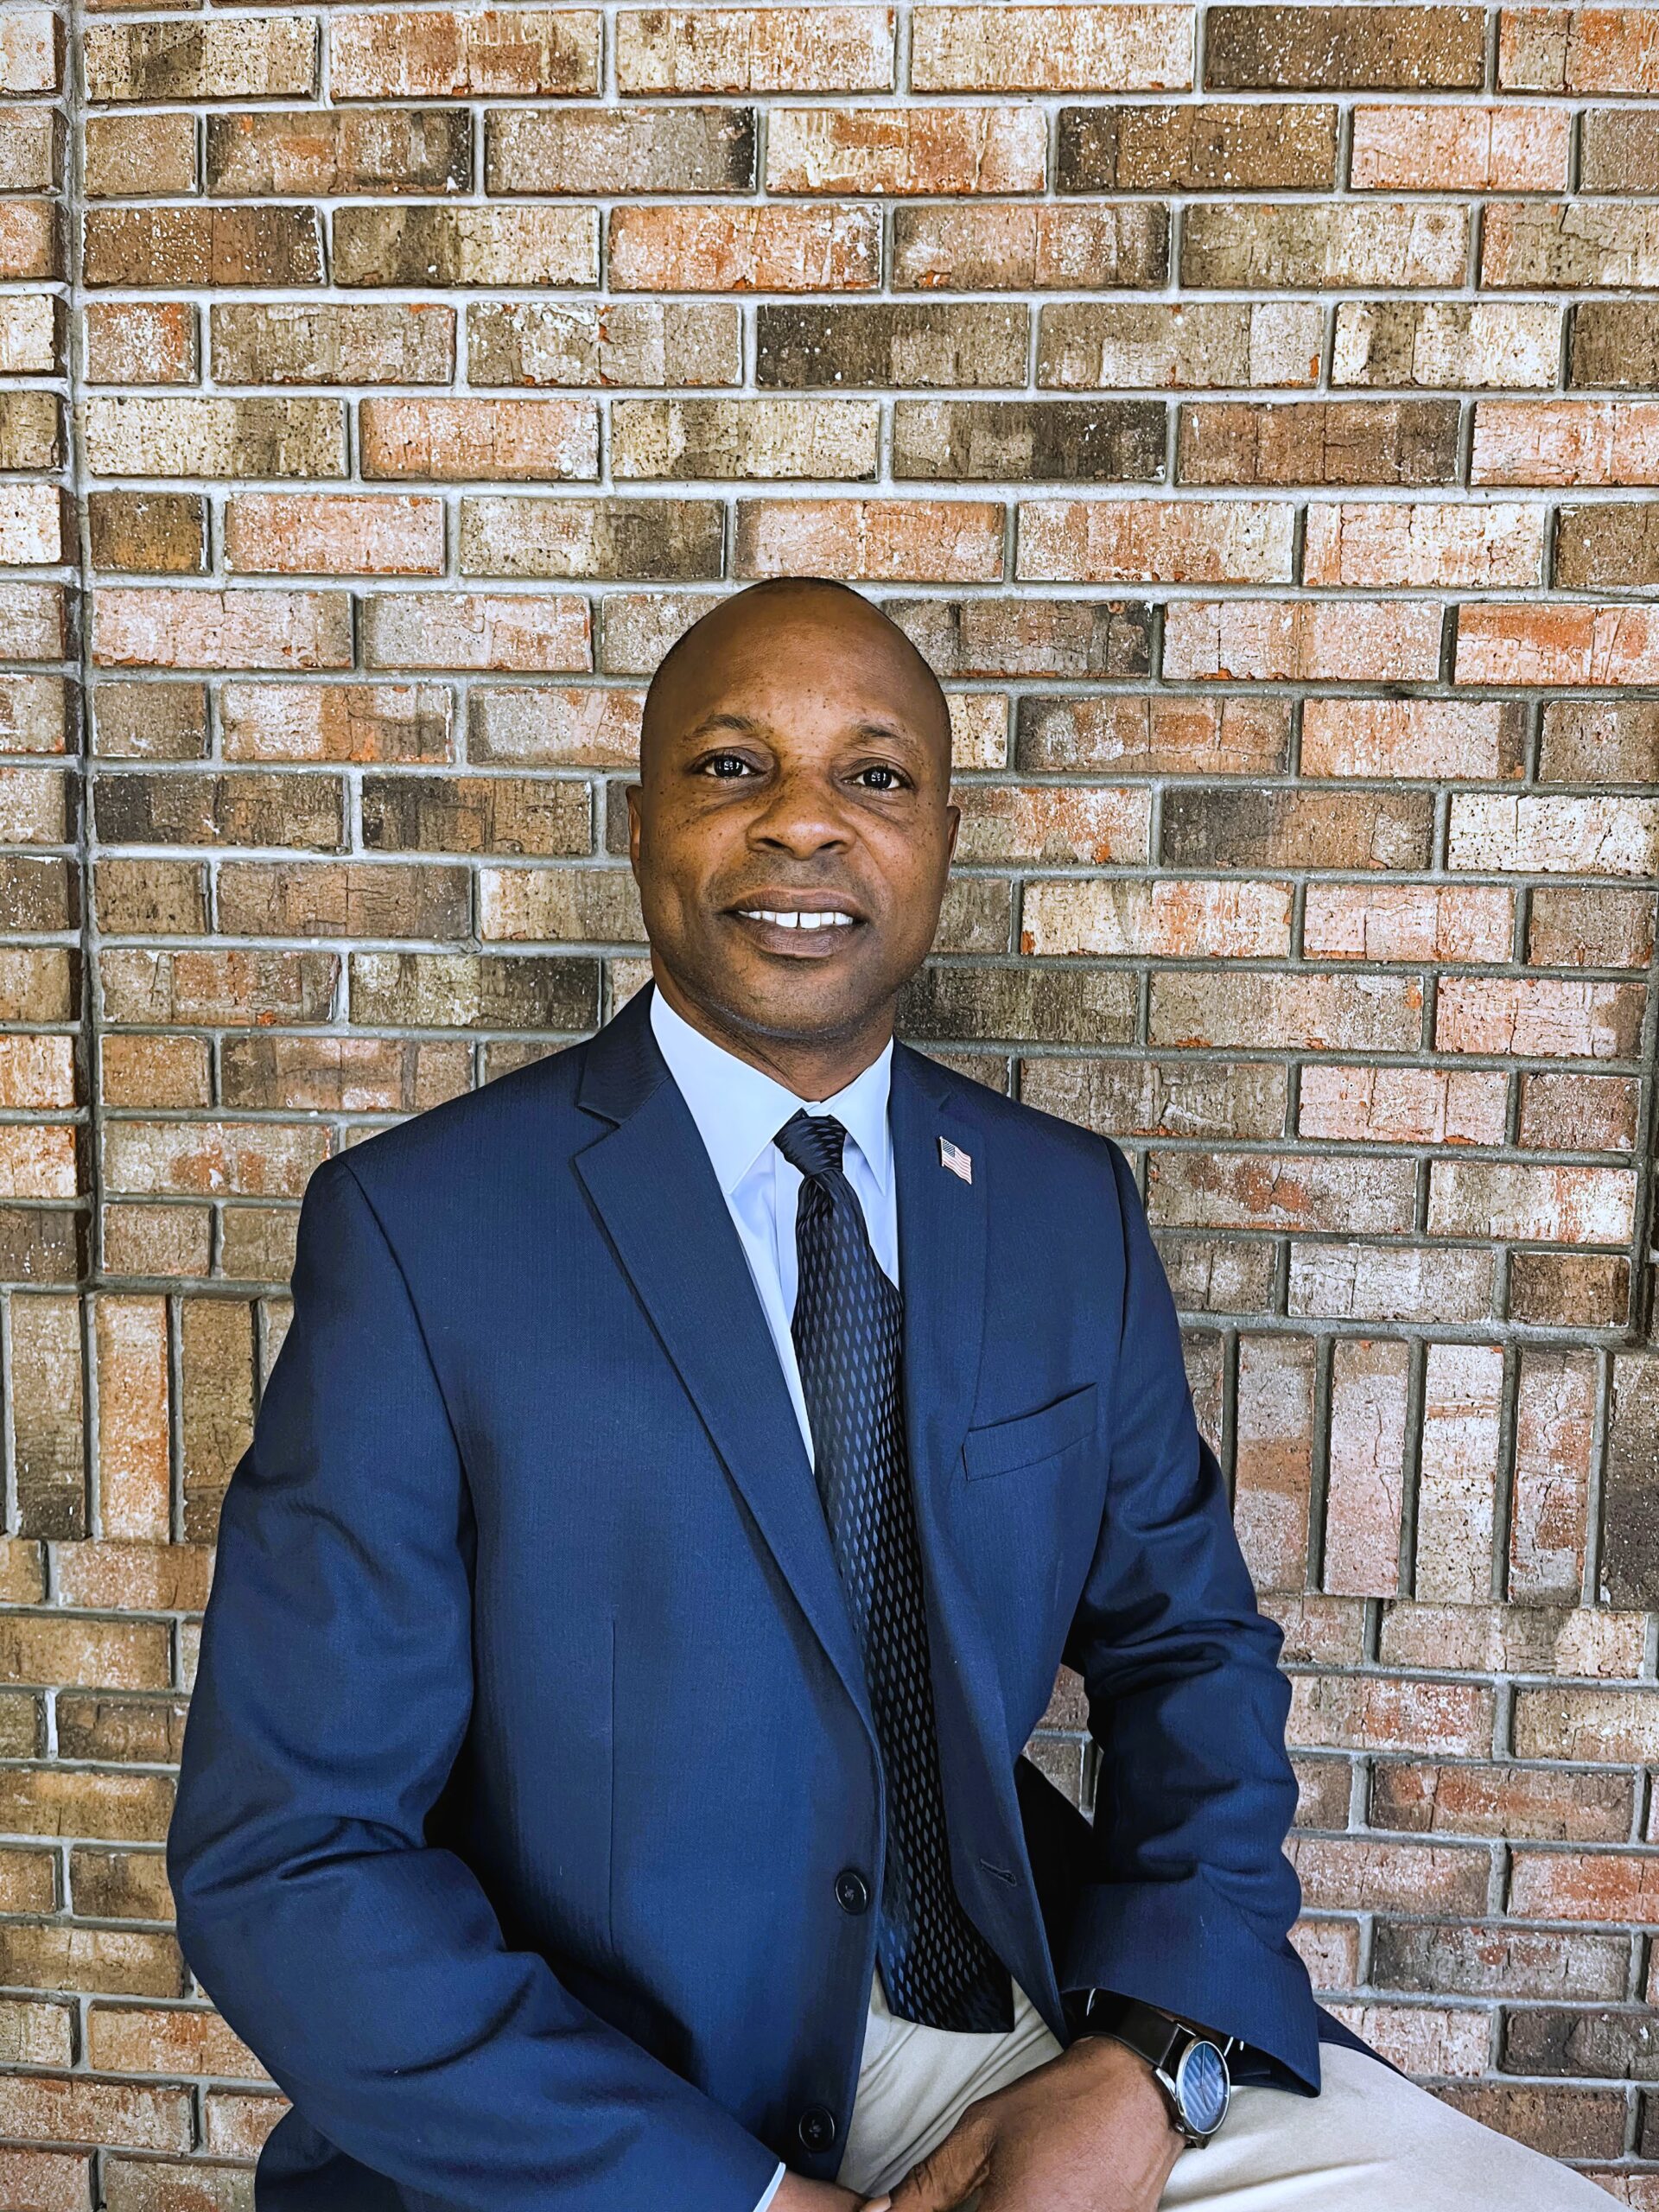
point(689, 1461)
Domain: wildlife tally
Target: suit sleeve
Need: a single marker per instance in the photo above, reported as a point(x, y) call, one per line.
point(1189, 1898)
point(365, 1968)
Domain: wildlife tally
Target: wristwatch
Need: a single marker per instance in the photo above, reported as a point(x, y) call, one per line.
point(1190, 2068)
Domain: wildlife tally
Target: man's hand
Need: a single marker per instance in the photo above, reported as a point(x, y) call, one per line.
point(1088, 2132)
point(795, 2194)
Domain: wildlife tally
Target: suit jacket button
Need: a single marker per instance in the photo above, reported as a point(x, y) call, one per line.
point(816, 2127)
point(852, 1891)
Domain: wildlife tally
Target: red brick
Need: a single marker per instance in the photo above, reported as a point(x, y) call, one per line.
point(452, 53)
point(892, 150)
point(897, 541)
point(766, 249)
point(830, 48)
point(1145, 45)
point(1389, 641)
point(1365, 1487)
point(297, 533)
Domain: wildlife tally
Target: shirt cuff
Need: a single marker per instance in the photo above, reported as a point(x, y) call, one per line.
point(771, 2186)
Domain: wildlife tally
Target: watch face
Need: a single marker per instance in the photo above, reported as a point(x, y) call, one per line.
point(1202, 2087)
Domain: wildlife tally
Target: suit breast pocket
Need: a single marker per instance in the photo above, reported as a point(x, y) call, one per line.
point(1000, 1447)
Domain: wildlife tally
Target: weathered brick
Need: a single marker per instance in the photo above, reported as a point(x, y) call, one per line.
point(29, 436)
point(1572, 245)
point(621, 342)
point(1601, 1885)
point(1538, 1017)
point(1439, 345)
point(1282, 827)
point(31, 526)
point(1433, 739)
point(1378, 546)
point(1615, 342)
point(1490, 1800)
point(30, 340)
point(352, 343)
point(1555, 1445)
point(1029, 636)
point(554, 725)
point(1315, 1012)
point(1047, 1005)
point(233, 1158)
point(1570, 442)
point(1406, 441)
point(1446, 149)
point(134, 806)
point(1077, 541)
point(1544, 50)
point(1054, 824)
point(1608, 547)
point(1557, 834)
point(1154, 736)
point(585, 906)
point(743, 438)
point(1366, 1487)
point(1083, 346)
point(1552, 1205)
point(519, 246)
point(1274, 1457)
point(1590, 925)
point(1161, 1097)
point(1175, 920)
point(457, 54)
point(1040, 249)
point(153, 533)
point(899, 541)
point(314, 153)
point(462, 990)
point(139, 341)
point(1630, 1486)
point(149, 722)
point(221, 58)
point(1030, 441)
point(1143, 47)
point(135, 156)
point(1424, 922)
point(757, 249)
point(765, 49)
point(1401, 1105)
point(439, 440)
point(1219, 147)
point(673, 540)
point(259, 899)
point(1600, 741)
point(889, 150)
point(1567, 643)
point(177, 246)
point(1374, 1283)
point(594, 151)
point(1314, 641)
point(151, 627)
point(1386, 49)
point(889, 345)
point(417, 629)
point(1305, 244)
point(30, 149)
point(33, 621)
point(304, 533)
point(31, 51)
point(1620, 150)
point(215, 437)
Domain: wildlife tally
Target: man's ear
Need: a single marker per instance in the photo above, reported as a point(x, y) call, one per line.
point(632, 793)
point(954, 813)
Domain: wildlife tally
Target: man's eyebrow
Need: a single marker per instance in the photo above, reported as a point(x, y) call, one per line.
point(738, 725)
point(893, 733)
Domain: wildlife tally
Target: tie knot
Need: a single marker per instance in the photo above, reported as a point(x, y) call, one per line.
point(813, 1142)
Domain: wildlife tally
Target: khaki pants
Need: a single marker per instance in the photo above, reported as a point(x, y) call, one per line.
point(1369, 2142)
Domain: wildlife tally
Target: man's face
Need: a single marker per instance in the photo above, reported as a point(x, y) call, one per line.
point(797, 766)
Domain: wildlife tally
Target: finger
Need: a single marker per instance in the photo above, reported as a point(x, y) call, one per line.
point(940, 2180)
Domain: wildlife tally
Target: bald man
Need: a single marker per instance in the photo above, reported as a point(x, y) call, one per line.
point(692, 1458)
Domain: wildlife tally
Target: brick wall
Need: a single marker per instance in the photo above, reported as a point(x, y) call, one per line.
point(1249, 409)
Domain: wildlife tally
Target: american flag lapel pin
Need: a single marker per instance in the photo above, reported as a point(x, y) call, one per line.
point(958, 1161)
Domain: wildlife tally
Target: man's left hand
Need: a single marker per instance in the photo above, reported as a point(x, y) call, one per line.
point(1088, 2132)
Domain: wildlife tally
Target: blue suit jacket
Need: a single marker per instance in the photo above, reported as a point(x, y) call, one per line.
point(529, 1736)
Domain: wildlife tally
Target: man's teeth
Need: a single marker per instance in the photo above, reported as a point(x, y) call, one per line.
point(793, 921)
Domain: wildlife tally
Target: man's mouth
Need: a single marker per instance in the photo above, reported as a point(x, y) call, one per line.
point(815, 929)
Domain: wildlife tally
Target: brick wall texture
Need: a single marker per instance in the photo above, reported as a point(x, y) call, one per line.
point(1253, 412)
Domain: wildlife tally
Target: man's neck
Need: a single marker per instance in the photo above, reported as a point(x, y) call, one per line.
point(814, 1069)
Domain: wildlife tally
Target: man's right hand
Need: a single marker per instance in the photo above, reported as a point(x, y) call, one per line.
point(795, 2194)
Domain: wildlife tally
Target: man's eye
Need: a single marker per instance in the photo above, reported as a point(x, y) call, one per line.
point(719, 762)
point(880, 768)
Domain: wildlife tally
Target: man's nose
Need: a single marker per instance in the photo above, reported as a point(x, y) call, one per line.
point(802, 815)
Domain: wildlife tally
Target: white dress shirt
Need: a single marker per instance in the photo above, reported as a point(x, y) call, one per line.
point(738, 1111)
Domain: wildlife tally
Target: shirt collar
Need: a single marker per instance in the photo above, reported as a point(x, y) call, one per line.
point(738, 1109)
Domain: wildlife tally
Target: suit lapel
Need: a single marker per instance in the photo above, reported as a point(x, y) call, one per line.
point(657, 1195)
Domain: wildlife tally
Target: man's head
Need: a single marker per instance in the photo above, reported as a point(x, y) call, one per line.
point(795, 761)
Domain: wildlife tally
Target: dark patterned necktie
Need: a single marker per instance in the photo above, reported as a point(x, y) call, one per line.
point(847, 1327)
